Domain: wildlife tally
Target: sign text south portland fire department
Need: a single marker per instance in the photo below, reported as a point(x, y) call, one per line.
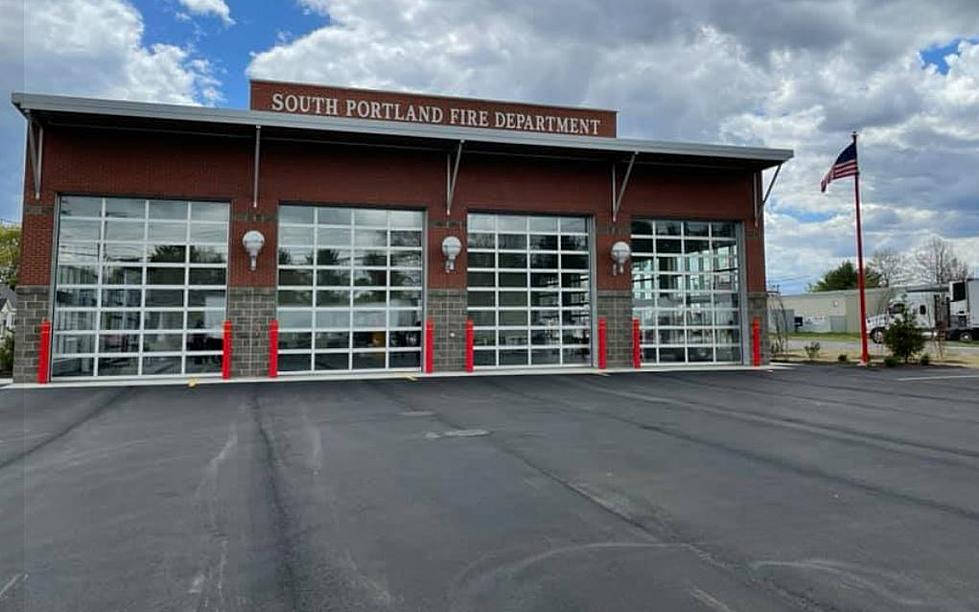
point(447, 114)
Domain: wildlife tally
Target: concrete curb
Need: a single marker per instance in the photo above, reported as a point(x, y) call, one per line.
point(414, 376)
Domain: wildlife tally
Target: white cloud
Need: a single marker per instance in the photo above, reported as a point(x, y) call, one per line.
point(96, 48)
point(769, 72)
point(218, 8)
point(88, 48)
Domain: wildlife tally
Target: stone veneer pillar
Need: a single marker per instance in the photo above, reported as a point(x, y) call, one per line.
point(757, 307)
point(616, 306)
point(250, 310)
point(33, 305)
point(447, 310)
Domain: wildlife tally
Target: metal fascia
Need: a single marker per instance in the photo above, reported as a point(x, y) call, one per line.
point(389, 128)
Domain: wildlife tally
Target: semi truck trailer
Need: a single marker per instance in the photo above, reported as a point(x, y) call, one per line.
point(952, 310)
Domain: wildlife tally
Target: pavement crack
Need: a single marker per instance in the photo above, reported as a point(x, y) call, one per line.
point(99, 409)
point(741, 570)
point(288, 557)
point(8, 587)
point(850, 435)
point(769, 393)
point(798, 468)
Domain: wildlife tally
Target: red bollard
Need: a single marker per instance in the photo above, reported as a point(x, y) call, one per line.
point(602, 343)
point(226, 353)
point(44, 358)
point(469, 345)
point(636, 345)
point(273, 348)
point(429, 346)
point(756, 342)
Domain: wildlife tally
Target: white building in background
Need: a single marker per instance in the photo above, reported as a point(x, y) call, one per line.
point(8, 308)
point(834, 311)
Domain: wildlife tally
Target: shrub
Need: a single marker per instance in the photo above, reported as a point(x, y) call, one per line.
point(843, 358)
point(890, 361)
point(904, 338)
point(925, 359)
point(812, 350)
point(7, 353)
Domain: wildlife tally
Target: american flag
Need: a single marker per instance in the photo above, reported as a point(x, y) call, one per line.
point(846, 165)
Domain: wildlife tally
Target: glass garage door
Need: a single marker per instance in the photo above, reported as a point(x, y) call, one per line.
point(350, 288)
point(686, 291)
point(529, 290)
point(140, 287)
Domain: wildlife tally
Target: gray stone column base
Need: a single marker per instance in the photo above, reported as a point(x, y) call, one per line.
point(447, 310)
point(616, 307)
point(33, 305)
point(250, 310)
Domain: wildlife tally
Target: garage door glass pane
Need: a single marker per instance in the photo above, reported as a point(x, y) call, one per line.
point(125, 274)
point(686, 291)
point(350, 287)
point(529, 290)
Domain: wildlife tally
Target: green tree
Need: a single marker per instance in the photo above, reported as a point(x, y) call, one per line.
point(844, 276)
point(9, 254)
point(904, 338)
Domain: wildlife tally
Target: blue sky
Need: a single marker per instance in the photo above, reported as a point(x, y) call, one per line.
point(257, 26)
point(690, 70)
point(935, 55)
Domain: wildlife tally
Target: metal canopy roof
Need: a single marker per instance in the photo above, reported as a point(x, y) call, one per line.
point(232, 122)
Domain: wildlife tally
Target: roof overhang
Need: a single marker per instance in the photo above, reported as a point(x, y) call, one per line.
point(118, 114)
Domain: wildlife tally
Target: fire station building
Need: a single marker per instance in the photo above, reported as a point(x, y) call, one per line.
point(327, 230)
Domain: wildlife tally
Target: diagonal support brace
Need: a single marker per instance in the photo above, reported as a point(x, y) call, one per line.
point(771, 184)
point(451, 174)
point(35, 144)
point(617, 203)
point(759, 205)
point(258, 152)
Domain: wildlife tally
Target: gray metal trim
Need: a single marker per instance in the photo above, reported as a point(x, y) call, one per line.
point(67, 104)
point(742, 242)
point(592, 225)
point(53, 279)
point(426, 295)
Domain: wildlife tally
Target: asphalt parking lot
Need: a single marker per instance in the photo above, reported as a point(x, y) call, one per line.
point(815, 488)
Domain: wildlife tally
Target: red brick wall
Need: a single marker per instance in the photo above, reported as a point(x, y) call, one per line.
point(194, 167)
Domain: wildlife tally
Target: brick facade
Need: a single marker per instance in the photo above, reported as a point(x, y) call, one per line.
point(447, 310)
point(250, 310)
point(107, 162)
point(616, 308)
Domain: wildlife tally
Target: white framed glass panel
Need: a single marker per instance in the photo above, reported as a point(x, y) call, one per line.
point(132, 297)
point(529, 292)
point(351, 282)
point(686, 291)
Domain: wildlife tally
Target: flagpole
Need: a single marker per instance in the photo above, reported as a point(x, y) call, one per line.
point(865, 355)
